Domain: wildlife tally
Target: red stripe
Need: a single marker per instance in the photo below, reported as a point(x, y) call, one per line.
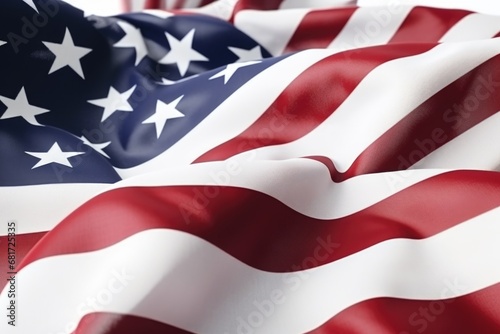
point(319, 28)
point(258, 4)
point(443, 117)
point(178, 4)
point(23, 244)
point(455, 109)
point(497, 35)
point(427, 25)
point(206, 2)
point(319, 90)
point(152, 4)
point(477, 312)
point(111, 323)
point(286, 239)
point(126, 5)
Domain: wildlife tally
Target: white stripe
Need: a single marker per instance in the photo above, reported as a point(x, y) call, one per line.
point(304, 185)
point(389, 93)
point(179, 279)
point(474, 149)
point(137, 5)
point(233, 115)
point(287, 4)
point(39, 208)
point(471, 27)
point(293, 182)
point(486, 7)
point(170, 3)
point(221, 9)
point(369, 26)
point(191, 3)
point(271, 29)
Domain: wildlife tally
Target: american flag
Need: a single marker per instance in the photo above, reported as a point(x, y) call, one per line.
point(249, 167)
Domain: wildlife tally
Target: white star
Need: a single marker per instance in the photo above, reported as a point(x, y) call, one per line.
point(230, 69)
point(31, 4)
point(2, 42)
point(20, 107)
point(114, 101)
point(166, 82)
point(96, 146)
point(67, 54)
point(132, 39)
point(163, 113)
point(246, 55)
point(181, 52)
point(53, 155)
